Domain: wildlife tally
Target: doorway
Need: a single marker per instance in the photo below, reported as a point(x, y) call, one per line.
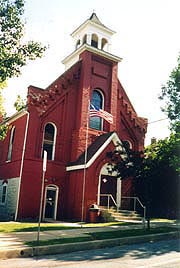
point(109, 192)
point(51, 197)
point(108, 187)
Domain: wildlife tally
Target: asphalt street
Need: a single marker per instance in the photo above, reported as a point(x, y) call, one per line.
point(162, 254)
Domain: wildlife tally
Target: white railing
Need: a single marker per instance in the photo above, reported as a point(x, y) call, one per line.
point(136, 201)
point(109, 197)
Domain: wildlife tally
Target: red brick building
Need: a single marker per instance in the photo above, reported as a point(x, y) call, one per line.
point(56, 119)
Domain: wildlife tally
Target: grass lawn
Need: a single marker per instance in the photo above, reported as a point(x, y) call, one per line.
point(31, 227)
point(103, 235)
point(10, 227)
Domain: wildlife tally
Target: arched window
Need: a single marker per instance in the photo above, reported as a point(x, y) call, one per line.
point(11, 141)
point(78, 44)
point(49, 140)
point(97, 102)
point(85, 39)
point(94, 41)
point(104, 44)
point(128, 144)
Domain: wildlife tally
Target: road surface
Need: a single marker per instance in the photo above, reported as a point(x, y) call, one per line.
point(162, 254)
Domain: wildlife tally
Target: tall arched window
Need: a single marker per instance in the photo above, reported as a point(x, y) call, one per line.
point(49, 140)
point(97, 102)
point(11, 141)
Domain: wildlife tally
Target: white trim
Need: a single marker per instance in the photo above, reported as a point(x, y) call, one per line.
point(104, 172)
point(22, 163)
point(99, 188)
point(74, 56)
point(15, 116)
point(114, 138)
point(54, 138)
point(96, 25)
point(119, 192)
point(56, 189)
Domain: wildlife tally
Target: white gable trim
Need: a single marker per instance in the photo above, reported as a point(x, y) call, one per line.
point(96, 25)
point(114, 138)
point(15, 116)
point(74, 56)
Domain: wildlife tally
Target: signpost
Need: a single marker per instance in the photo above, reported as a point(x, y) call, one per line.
point(42, 191)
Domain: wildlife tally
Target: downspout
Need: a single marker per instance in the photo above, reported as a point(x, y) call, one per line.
point(22, 164)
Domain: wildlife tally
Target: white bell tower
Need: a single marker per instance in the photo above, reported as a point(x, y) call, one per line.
point(93, 36)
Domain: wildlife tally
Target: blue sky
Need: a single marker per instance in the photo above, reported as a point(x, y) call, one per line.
point(147, 38)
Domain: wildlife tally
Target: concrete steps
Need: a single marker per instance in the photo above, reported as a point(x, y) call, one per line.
point(122, 215)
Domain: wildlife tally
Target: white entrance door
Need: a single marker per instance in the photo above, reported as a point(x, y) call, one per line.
point(109, 185)
point(51, 196)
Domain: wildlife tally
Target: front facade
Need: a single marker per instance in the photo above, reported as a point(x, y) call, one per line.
point(57, 120)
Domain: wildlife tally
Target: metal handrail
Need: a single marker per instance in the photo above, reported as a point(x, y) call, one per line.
point(135, 198)
point(112, 198)
point(140, 203)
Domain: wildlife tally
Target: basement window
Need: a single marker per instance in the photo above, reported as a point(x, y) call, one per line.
point(4, 193)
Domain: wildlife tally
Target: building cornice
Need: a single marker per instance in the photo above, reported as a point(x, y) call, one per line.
point(101, 27)
point(15, 116)
point(94, 50)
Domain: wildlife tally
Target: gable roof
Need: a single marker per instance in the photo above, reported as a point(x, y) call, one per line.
point(93, 20)
point(94, 150)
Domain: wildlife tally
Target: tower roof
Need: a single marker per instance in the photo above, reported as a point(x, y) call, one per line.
point(95, 20)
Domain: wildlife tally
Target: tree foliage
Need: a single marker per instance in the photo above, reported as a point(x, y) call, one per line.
point(171, 96)
point(14, 51)
point(156, 174)
point(19, 103)
point(126, 162)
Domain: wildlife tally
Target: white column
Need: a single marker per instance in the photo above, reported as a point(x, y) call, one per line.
point(118, 193)
point(89, 36)
point(99, 42)
point(108, 47)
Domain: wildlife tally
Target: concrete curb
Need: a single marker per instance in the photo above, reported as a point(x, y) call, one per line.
point(71, 247)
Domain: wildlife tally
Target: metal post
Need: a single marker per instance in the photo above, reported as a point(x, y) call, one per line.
point(85, 163)
point(144, 218)
point(134, 203)
point(42, 191)
point(108, 202)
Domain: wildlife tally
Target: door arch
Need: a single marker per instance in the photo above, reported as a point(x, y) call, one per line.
point(109, 184)
point(50, 202)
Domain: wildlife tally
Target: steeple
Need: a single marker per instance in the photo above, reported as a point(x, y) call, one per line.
point(95, 19)
point(92, 35)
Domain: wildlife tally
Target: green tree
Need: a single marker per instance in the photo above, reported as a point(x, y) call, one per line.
point(19, 103)
point(171, 96)
point(155, 175)
point(14, 51)
point(162, 162)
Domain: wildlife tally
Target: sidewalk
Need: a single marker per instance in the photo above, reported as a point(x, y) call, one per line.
point(12, 244)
